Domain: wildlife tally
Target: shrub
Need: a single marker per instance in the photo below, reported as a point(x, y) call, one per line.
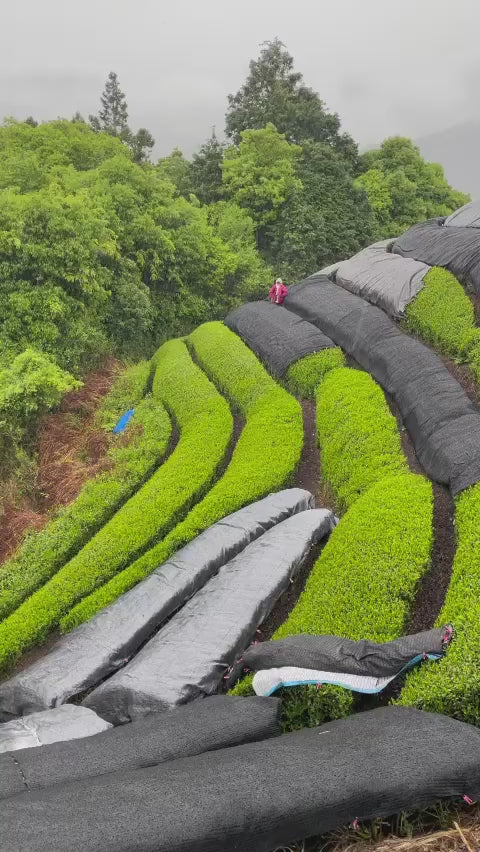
point(29, 387)
point(442, 313)
point(363, 584)
point(452, 686)
point(358, 435)
point(44, 552)
point(304, 376)
point(264, 459)
point(205, 424)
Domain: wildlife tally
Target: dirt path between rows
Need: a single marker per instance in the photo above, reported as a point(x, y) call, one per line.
point(308, 476)
point(433, 586)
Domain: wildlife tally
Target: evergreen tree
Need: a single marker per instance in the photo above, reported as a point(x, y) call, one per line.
point(113, 119)
point(274, 93)
point(113, 115)
point(141, 144)
point(206, 170)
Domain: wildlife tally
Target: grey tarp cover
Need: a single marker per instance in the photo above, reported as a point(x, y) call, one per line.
point(457, 249)
point(382, 278)
point(335, 654)
point(467, 216)
point(50, 726)
point(331, 271)
point(278, 338)
point(256, 797)
point(443, 423)
point(189, 656)
point(88, 654)
point(204, 725)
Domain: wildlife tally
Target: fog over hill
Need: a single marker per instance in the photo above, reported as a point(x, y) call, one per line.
point(456, 148)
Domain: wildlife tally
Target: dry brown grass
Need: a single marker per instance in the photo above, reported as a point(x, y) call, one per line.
point(71, 449)
point(463, 836)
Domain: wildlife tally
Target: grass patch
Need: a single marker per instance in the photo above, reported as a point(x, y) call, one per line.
point(127, 391)
point(304, 376)
point(205, 424)
point(264, 459)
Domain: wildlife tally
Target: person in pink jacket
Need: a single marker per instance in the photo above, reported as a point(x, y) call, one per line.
point(278, 292)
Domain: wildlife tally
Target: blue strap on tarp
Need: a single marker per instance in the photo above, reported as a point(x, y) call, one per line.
point(123, 422)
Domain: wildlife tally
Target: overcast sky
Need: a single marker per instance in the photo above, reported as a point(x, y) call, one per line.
point(387, 67)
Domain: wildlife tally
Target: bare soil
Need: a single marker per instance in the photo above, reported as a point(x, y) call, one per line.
point(433, 587)
point(308, 476)
point(70, 450)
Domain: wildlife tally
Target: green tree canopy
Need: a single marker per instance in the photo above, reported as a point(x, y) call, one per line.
point(274, 93)
point(327, 219)
point(260, 174)
point(403, 188)
point(178, 170)
point(206, 171)
point(98, 253)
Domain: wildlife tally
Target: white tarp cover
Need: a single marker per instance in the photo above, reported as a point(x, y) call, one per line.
point(50, 726)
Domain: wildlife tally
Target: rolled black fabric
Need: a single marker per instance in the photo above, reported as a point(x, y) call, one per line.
point(456, 248)
point(443, 423)
point(87, 655)
point(253, 798)
point(334, 654)
point(189, 656)
point(207, 724)
point(278, 337)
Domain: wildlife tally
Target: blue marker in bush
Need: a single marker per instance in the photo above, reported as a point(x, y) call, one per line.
point(123, 422)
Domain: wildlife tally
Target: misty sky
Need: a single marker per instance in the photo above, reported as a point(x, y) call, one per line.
point(407, 67)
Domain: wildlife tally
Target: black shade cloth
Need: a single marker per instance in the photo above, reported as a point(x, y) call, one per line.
point(443, 423)
point(189, 656)
point(278, 337)
point(455, 248)
point(91, 652)
point(204, 725)
point(335, 654)
point(253, 798)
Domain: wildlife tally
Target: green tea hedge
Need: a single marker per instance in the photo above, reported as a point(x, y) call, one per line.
point(205, 424)
point(264, 459)
point(304, 376)
point(443, 315)
point(43, 553)
point(452, 686)
point(363, 584)
point(358, 435)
